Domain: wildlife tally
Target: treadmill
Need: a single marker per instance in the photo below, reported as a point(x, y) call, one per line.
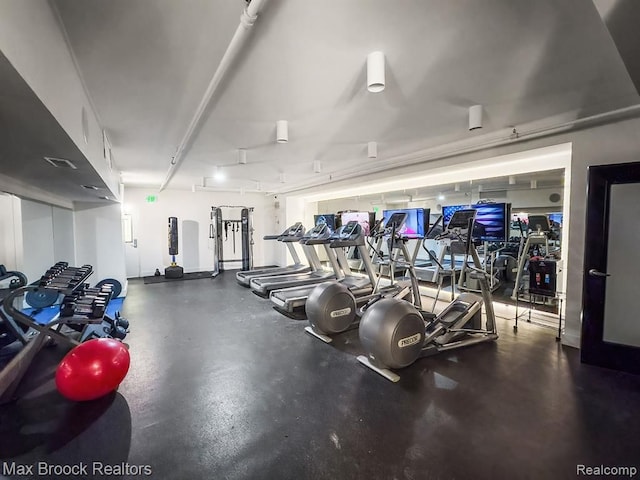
point(318, 235)
point(348, 236)
point(291, 235)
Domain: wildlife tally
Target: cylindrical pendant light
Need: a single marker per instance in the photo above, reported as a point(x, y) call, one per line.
point(317, 167)
point(475, 117)
point(283, 178)
point(372, 150)
point(375, 72)
point(242, 156)
point(282, 131)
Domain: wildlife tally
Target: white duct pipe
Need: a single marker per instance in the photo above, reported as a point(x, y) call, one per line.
point(247, 19)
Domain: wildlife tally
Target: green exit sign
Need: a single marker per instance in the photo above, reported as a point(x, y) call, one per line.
point(152, 198)
point(376, 209)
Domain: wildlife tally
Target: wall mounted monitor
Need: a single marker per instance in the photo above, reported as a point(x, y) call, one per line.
point(492, 222)
point(556, 217)
point(417, 222)
point(361, 217)
point(327, 218)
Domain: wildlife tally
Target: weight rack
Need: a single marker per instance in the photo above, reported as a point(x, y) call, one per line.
point(64, 280)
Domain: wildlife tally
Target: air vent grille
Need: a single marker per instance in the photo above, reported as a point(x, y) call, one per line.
point(60, 163)
point(493, 194)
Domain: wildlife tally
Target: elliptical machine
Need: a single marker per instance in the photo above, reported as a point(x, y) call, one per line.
point(395, 333)
point(332, 307)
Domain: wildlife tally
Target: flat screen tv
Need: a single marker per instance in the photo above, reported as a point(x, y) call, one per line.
point(361, 217)
point(416, 225)
point(492, 220)
point(327, 218)
point(556, 217)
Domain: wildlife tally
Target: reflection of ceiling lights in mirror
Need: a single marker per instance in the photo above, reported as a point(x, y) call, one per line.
point(219, 175)
point(554, 158)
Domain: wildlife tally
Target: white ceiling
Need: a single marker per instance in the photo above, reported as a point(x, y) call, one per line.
point(147, 63)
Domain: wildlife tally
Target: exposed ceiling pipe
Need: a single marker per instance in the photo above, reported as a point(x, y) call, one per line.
point(247, 19)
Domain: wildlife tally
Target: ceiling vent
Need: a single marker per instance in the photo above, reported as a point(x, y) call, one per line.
point(60, 163)
point(90, 187)
point(493, 194)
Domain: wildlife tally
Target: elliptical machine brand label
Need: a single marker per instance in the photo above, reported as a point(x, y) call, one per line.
point(340, 313)
point(408, 341)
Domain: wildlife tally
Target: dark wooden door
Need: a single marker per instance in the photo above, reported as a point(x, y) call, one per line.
point(611, 285)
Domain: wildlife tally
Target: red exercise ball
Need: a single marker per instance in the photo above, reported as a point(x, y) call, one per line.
point(92, 369)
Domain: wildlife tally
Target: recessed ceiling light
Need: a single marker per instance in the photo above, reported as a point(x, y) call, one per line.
point(440, 197)
point(60, 162)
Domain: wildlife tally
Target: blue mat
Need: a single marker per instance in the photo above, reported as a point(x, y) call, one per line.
point(45, 315)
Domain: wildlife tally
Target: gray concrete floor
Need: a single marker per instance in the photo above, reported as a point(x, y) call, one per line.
point(223, 387)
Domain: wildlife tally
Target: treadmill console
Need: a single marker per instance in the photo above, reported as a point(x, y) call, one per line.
point(459, 222)
point(319, 231)
point(539, 223)
point(294, 230)
point(396, 220)
point(349, 231)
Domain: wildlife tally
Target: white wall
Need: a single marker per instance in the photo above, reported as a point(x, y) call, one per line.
point(193, 212)
point(10, 231)
point(34, 235)
point(37, 234)
point(64, 248)
point(32, 40)
point(98, 240)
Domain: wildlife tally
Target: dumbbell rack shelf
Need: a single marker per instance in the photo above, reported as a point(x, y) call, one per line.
point(12, 373)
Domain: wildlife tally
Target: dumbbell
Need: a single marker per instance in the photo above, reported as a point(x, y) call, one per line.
point(118, 321)
point(115, 329)
point(122, 322)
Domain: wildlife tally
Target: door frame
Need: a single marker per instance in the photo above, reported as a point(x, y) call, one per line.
point(594, 349)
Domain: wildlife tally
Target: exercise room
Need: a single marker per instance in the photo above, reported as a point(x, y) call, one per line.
point(327, 240)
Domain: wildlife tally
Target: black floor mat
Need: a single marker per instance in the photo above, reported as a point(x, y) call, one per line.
point(187, 276)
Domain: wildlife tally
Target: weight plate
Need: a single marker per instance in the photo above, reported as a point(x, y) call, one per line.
point(115, 285)
point(41, 298)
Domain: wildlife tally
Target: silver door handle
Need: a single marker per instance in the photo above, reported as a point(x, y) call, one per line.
point(595, 273)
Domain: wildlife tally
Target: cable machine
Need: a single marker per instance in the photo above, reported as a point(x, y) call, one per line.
point(227, 233)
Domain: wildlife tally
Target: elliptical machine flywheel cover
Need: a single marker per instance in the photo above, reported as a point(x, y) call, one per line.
point(331, 308)
point(392, 333)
